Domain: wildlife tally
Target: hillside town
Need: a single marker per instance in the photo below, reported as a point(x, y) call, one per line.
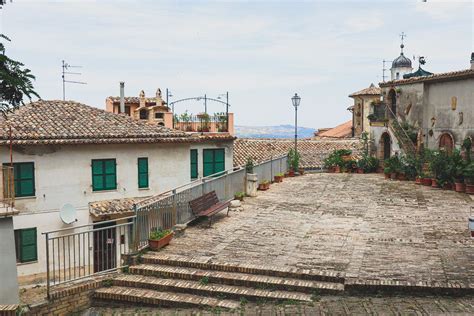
point(138, 206)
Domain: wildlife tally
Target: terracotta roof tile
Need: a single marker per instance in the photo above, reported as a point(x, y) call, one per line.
point(460, 74)
point(343, 130)
point(372, 90)
point(313, 152)
point(69, 122)
point(110, 207)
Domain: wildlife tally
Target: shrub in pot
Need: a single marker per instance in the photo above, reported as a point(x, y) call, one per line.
point(159, 238)
point(387, 171)
point(278, 177)
point(457, 166)
point(264, 185)
point(239, 196)
point(469, 178)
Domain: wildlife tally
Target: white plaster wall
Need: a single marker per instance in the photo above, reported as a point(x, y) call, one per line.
point(402, 71)
point(376, 134)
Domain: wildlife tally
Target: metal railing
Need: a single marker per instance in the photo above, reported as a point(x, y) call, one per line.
point(82, 251)
point(196, 123)
point(397, 129)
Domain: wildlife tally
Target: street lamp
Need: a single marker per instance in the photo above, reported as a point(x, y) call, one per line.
point(296, 102)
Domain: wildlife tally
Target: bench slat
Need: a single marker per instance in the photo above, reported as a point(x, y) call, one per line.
point(208, 205)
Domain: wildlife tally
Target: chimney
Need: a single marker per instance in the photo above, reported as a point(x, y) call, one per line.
point(472, 61)
point(142, 99)
point(122, 97)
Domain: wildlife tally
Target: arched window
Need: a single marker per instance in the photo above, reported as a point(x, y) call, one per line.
point(143, 114)
point(446, 143)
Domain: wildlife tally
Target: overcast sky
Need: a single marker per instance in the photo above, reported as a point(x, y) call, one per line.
point(261, 52)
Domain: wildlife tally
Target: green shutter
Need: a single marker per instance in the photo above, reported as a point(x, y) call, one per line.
point(104, 174)
point(194, 164)
point(24, 178)
point(219, 160)
point(28, 249)
point(213, 161)
point(143, 173)
point(208, 162)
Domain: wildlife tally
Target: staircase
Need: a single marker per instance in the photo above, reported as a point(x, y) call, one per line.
point(405, 143)
point(186, 282)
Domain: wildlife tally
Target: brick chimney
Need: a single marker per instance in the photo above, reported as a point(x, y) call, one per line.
point(142, 99)
point(472, 61)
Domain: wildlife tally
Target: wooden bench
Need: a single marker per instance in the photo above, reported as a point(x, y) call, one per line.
point(208, 205)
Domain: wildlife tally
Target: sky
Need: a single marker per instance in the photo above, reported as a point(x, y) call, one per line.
point(261, 52)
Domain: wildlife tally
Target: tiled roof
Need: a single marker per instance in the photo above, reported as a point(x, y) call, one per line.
point(69, 122)
point(343, 130)
point(461, 74)
point(372, 90)
point(132, 100)
point(313, 152)
point(111, 207)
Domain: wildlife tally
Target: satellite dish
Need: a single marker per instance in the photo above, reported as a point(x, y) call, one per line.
point(68, 213)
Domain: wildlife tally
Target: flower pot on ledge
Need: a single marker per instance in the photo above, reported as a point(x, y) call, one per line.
point(154, 244)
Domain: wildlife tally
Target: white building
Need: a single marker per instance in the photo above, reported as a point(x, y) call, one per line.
point(67, 152)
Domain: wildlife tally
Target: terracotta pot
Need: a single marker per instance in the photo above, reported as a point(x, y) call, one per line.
point(401, 177)
point(426, 181)
point(160, 243)
point(263, 186)
point(278, 179)
point(393, 176)
point(434, 183)
point(286, 174)
point(459, 187)
point(360, 170)
point(387, 175)
point(418, 180)
point(291, 173)
point(448, 186)
point(301, 171)
point(470, 188)
point(337, 169)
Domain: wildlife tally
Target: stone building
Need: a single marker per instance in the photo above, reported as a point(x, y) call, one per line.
point(439, 107)
point(366, 102)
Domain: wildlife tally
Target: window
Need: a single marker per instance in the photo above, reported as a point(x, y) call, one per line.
point(25, 245)
point(143, 173)
point(194, 164)
point(159, 115)
point(143, 114)
point(104, 175)
point(24, 178)
point(127, 110)
point(213, 161)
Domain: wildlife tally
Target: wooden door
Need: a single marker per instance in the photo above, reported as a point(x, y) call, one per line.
point(446, 143)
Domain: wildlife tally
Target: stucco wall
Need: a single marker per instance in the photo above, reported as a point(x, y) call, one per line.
point(9, 287)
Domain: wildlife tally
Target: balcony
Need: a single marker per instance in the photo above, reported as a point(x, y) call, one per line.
point(204, 123)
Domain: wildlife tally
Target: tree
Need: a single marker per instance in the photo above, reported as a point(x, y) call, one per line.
point(15, 81)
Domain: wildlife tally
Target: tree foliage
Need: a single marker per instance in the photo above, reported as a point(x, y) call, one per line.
point(15, 81)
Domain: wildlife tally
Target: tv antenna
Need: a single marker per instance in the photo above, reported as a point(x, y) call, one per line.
point(65, 72)
point(384, 69)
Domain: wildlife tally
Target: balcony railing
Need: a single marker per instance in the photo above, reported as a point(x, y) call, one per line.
point(204, 123)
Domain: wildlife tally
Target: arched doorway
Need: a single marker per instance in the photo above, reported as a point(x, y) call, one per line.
point(392, 98)
point(446, 143)
point(385, 143)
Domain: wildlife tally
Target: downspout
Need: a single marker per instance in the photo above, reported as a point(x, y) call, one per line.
point(122, 97)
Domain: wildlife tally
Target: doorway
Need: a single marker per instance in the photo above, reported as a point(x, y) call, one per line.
point(105, 247)
point(386, 145)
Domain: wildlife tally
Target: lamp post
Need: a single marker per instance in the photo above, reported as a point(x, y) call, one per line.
point(296, 102)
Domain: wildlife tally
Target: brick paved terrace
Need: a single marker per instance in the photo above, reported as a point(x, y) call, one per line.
point(361, 227)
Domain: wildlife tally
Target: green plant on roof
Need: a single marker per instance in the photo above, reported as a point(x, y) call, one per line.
point(159, 233)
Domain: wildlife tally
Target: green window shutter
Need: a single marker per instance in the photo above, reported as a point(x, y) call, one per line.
point(104, 174)
point(24, 178)
point(213, 161)
point(143, 173)
point(194, 164)
point(28, 247)
point(219, 160)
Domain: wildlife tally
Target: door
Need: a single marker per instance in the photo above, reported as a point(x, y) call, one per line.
point(105, 243)
point(446, 143)
point(386, 146)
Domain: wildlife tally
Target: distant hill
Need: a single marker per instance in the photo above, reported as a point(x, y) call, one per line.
point(280, 131)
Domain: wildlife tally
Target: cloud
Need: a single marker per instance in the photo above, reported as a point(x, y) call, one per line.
point(443, 10)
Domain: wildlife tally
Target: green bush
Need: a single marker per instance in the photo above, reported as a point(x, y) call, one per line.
point(469, 173)
point(159, 233)
point(335, 158)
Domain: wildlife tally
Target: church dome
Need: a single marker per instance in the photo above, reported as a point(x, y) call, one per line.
point(401, 61)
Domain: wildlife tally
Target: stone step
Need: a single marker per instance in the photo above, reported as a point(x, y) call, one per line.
point(276, 271)
point(238, 279)
point(208, 289)
point(168, 299)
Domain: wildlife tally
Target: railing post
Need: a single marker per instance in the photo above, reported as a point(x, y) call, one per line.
point(47, 265)
point(135, 229)
point(173, 219)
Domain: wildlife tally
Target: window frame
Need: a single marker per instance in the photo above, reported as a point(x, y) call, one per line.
point(19, 246)
point(104, 175)
point(139, 173)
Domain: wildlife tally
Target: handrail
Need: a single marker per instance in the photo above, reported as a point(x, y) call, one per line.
point(86, 225)
point(395, 118)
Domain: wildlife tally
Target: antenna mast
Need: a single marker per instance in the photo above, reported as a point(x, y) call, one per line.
point(384, 69)
point(65, 67)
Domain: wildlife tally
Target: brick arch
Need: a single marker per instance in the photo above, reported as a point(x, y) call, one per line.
point(446, 142)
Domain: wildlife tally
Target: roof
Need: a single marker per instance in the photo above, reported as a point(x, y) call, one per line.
point(445, 76)
point(312, 151)
point(69, 122)
point(112, 207)
point(419, 73)
point(371, 90)
point(341, 131)
point(401, 62)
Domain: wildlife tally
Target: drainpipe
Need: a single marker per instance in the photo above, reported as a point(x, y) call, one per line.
point(122, 97)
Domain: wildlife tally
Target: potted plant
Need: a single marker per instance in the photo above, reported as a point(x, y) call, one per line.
point(239, 196)
point(278, 177)
point(458, 165)
point(264, 185)
point(293, 161)
point(205, 122)
point(249, 165)
point(361, 165)
point(159, 238)
point(393, 163)
point(387, 171)
point(469, 178)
